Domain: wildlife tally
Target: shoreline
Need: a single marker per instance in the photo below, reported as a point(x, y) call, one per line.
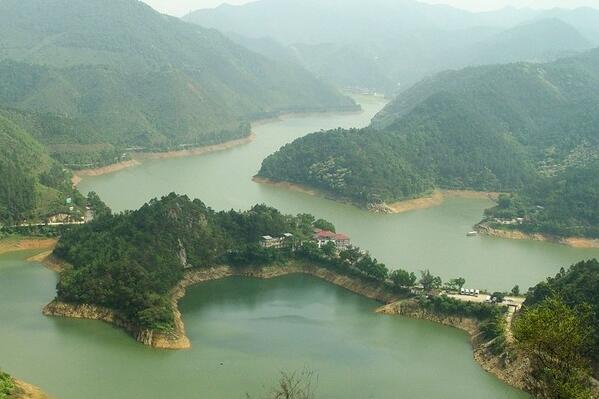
point(8, 245)
point(292, 187)
point(138, 158)
point(430, 201)
point(177, 338)
point(511, 373)
point(24, 390)
point(284, 115)
point(572, 242)
point(195, 151)
point(433, 200)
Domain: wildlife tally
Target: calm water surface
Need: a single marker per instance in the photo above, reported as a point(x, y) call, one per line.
point(244, 331)
point(433, 238)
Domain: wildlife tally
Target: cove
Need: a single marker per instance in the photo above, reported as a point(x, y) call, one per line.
point(432, 238)
point(244, 331)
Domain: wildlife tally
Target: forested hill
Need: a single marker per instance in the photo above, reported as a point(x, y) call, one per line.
point(135, 77)
point(129, 262)
point(32, 183)
point(492, 128)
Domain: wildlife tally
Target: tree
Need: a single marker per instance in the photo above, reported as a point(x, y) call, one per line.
point(324, 225)
point(457, 283)
point(504, 201)
point(516, 290)
point(7, 385)
point(296, 385)
point(372, 268)
point(329, 249)
point(498, 297)
point(557, 338)
point(351, 255)
point(403, 278)
point(429, 281)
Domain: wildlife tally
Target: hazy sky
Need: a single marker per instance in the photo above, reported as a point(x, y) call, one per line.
point(181, 7)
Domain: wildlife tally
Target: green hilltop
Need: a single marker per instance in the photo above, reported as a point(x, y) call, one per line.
point(135, 77)
point(83, 82)
point(32, 183)
point(509, 128)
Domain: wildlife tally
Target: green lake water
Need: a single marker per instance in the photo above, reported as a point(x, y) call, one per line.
point(244, 331)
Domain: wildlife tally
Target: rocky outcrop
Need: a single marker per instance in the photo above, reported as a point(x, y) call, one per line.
point(508, 366)
point(24, 390)
point(155, 339)
point(177, 338)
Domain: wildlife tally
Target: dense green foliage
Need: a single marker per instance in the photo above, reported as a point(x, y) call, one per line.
point(83, 83)
point(557, 339)
point(33, 185)
point(6, 385)
point(130, 261)
point(122, 75)
point(577, 286)
point(453, 307)
point(564, 204)
point(527, 128)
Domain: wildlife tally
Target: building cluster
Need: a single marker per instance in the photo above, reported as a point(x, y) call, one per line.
point(323, 237)
point(510, 222)
point(320, 237)
point(286, 241)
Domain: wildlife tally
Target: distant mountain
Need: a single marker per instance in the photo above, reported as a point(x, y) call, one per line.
point(490, 128)
point(390, 45)
point(540, 40)
point(331, 21)
point(135, 77)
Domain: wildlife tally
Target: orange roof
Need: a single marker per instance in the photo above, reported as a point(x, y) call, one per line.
point(329, 235)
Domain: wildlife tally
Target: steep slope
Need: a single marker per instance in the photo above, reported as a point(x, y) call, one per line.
point(139, 78)
point(491, 128)
point(32, 183)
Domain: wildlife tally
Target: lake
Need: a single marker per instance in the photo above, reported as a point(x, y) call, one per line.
point(244, 331)
point(431, 238)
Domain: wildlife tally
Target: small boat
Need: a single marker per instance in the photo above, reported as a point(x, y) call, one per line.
point(472, 234)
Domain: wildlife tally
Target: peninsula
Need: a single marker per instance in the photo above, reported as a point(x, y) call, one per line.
point(470, 129)
point(131, 269)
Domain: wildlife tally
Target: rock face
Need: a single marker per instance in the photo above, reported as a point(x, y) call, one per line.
point(177, 339)
point(148, 337)
point(508, 366)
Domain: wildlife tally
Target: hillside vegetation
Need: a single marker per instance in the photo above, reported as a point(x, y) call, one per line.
point(512, 128)
point(558, 332)
point(32, 184)
point(85, 82)
point(129, 262)
point(132, 77)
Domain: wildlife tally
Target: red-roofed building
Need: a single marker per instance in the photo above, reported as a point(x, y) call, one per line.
point(322, 237)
